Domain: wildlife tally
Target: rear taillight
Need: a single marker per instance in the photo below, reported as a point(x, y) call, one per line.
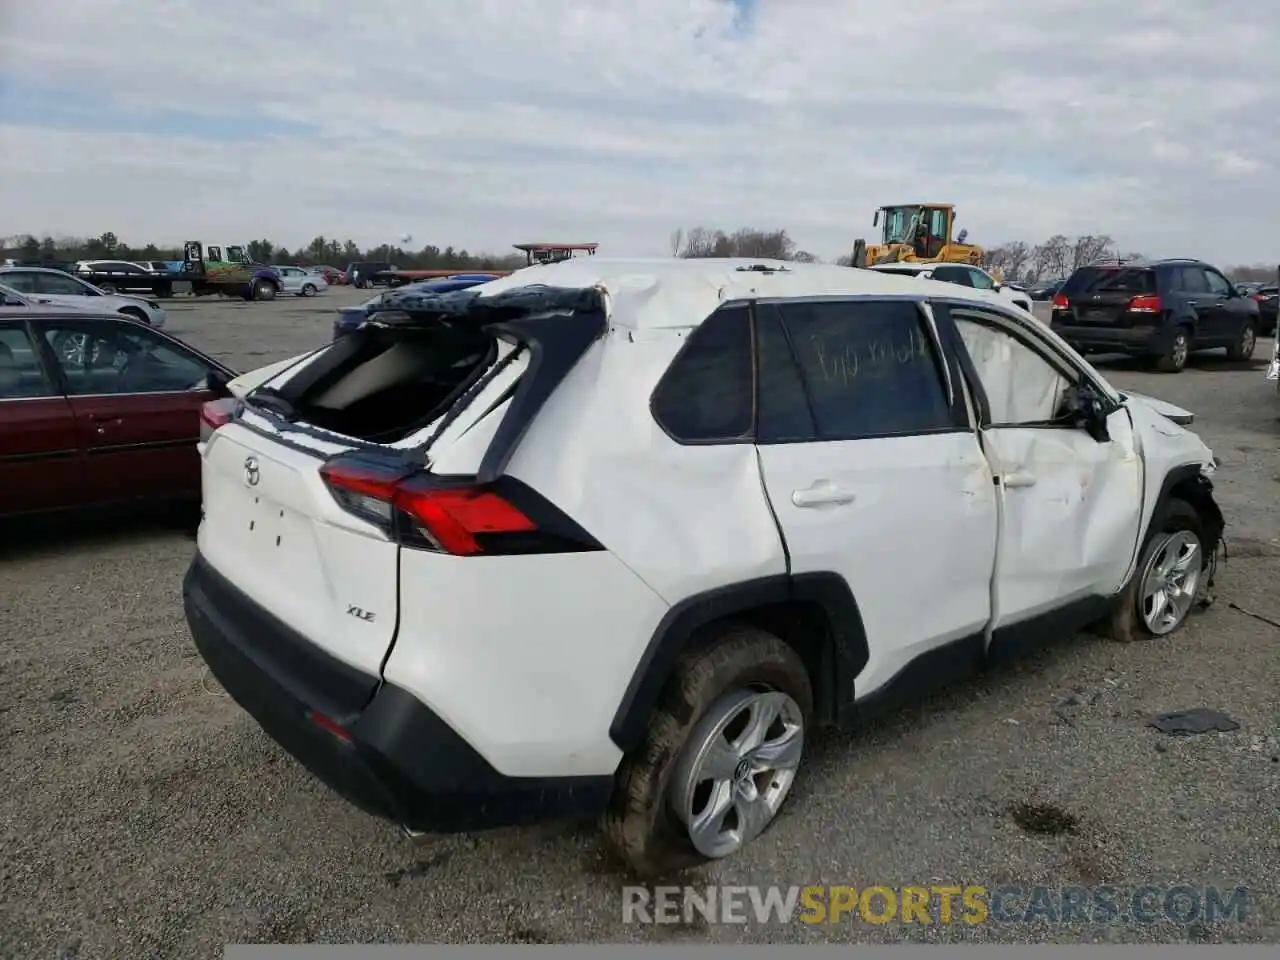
point(1257, 296)
point(214, 414)
point(1144, 304)
point(1060, 302)
point(447, 516)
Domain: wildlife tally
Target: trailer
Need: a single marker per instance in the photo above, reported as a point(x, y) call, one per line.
point(120, 276)
point(534, 253)
point(227, 271)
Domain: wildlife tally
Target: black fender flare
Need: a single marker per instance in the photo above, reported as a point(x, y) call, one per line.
point(844, 653)
point(1197, 489)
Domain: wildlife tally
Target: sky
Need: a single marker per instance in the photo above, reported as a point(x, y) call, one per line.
point(483, 123)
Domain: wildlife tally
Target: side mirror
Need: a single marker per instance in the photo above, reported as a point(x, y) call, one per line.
point(1088, 412)
point(216, 382)
point(875, 221)
point(962, 236)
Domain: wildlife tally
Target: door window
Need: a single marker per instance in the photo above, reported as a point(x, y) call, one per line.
point(706, 394)
point(1193, 280)
point(948, 274)
point(1218, 284)
point(215, 254)
point(868, 369)
point(979, 279)
point(1021, 385)
point(107, 358)
point(22, 282)
point(21, 376)
point(59, 285)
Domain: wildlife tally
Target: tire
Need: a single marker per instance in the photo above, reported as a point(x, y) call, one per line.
point(1245, 344)
point(1174, 360)
point(308, 290)
point(136, 314)
point(740, 669)
point(1127, 622)
point(264, 290)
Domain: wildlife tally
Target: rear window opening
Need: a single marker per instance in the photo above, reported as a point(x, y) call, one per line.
point(1131, 280)
point(428, 359)
point(387, 383)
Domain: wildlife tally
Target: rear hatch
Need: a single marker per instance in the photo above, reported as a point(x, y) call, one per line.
point(1108, 296)
point(329, 467)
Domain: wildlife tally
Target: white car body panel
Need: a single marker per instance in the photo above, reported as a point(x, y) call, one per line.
point(93, 298)
point(527, 657)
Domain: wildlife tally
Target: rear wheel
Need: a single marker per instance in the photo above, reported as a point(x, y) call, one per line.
point(1175, 357)
point(308, 290)
point(264, 290)
point(720, 757)
point(1168, 580)
point(1244, 346)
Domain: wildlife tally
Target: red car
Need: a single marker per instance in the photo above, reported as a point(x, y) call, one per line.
point(98, 411)
point(332, 275)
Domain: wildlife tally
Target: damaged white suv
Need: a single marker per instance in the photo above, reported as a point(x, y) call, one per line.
point(614, 537)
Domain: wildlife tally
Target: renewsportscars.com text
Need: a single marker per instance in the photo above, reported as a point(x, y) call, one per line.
point(935, 904)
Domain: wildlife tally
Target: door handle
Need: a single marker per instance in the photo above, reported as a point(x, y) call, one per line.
point(822, 493)
point(1019, 478)
point(101, 422)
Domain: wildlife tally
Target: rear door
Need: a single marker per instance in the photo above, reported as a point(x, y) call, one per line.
point(136, 396)
point(41, 462)
point(875, 473)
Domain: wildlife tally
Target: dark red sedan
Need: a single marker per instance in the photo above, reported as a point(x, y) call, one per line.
point(97, 411)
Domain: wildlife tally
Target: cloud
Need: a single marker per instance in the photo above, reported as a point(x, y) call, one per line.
point(486, 122)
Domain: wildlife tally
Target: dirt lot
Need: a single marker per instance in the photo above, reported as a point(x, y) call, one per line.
point(143, 815)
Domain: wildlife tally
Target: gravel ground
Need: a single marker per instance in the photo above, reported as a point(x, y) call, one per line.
point(143, 815)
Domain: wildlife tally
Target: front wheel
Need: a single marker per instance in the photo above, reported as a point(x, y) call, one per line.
point(264, 290)
point(720, 757)
point(1168, 581)
point(1175, 357)
point(1245, 344)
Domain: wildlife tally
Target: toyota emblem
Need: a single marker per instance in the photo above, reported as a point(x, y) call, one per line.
point(251, 472)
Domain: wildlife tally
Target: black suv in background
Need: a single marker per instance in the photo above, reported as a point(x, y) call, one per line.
point(365, 273)
point(1162, 310)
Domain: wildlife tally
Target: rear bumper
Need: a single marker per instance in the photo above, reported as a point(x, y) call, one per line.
point(392, 756)
point(1102, 339)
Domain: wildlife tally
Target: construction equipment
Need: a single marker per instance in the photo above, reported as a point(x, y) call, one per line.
point(917, 233)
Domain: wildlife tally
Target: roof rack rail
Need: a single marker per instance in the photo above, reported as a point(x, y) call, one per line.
point(762, 268)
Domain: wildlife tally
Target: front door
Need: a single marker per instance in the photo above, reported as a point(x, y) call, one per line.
point(874, 472)
point(137, 397)
point(1070, 506)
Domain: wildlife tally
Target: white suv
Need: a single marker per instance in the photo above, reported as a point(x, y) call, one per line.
point(964, 274)
point(615, 536)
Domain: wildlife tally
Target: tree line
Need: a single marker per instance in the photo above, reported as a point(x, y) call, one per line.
point(321, 251)
point(1018, 260)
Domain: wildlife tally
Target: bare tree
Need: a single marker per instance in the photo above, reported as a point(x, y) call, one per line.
point(677, 241)
point(804, 256)
point(1052, 258)
point(700, 242)
point(1011, 259)
point(1090, 247)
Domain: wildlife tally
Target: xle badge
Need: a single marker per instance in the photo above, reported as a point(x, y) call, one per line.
point(365, 615)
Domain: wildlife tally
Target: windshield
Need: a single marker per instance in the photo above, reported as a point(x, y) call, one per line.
point(897, 223)
point(237, 255)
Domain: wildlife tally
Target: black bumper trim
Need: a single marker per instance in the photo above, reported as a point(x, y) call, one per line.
point(403, 763)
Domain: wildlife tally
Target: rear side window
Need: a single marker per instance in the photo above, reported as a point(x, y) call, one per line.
point(868, 369)
point(21, 376)
point(958, 275)
point(706, 394)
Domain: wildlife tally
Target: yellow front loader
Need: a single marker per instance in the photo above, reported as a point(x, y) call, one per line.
point(917, 233)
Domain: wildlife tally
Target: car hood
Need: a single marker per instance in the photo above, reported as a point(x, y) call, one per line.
point(1168, 410)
